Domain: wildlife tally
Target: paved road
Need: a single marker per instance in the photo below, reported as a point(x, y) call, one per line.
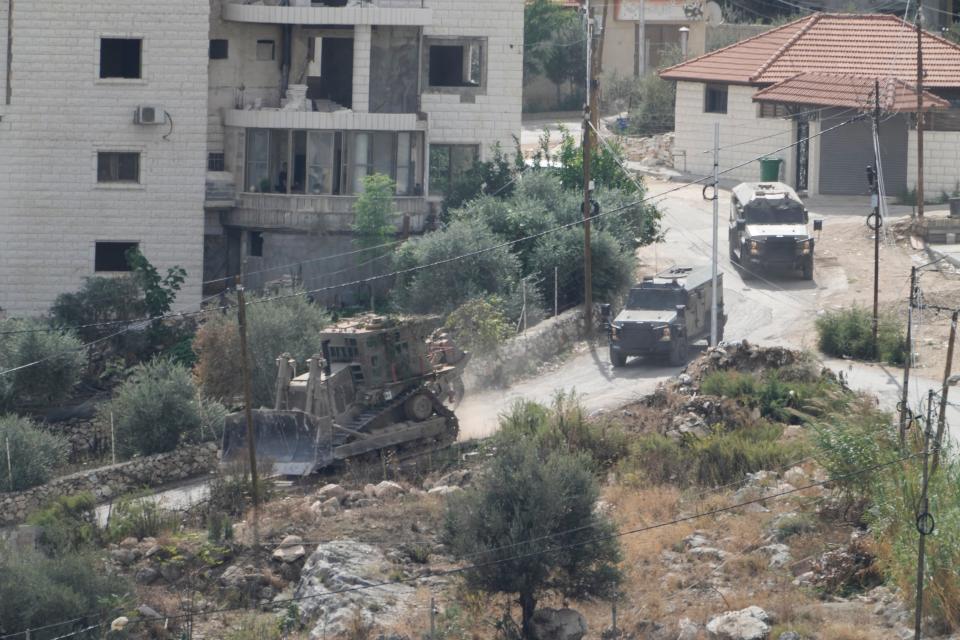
point(775, 310)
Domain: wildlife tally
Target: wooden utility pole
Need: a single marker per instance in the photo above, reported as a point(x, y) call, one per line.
point(905, 394)
point(247, 394)
point(876, 213)
point(919, 109)
point(947, 370)
point(588, 115)
point(924, 522)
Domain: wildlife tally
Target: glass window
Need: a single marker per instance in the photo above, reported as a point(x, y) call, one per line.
point(299, 158)
point(118, 166)
point(120, 57)
point(279, 167)
point(360, 161)
point(320, 165)
point(448, 164)
point(383, 153)
point(219, 49)
point(715, 98)
point(258, 152)
point(404, 160)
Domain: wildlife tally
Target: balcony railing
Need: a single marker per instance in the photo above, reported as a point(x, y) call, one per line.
point(411, 13)
point(344, 120)
point(325, 213)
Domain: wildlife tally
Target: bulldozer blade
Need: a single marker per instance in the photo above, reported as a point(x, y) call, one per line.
point(291, 443)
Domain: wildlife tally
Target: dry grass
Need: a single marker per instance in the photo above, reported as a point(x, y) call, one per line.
point(846, 631)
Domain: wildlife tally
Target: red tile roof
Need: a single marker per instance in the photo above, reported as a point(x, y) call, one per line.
point(844, 90)
point(870, 45)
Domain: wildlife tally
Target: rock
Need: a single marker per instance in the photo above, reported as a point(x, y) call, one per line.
point(317, 508)
point(124, 556)
point(353, 496)
point(330, 506)
point(370, 491)
point(558, 624)
point(244, 578)
point(171, 571)
point(154, 550)
point(443, 490)
point(146, 611)
point(331, 491)
point(689, 629)
point(290, 549)
point(790, 635)
point(147, 575)
point(695, 540)
point(367, 502)
point(128, 543)
point(387, 490)
point(796, 476)
point(779, 555)
point(751, 623)
point(684, 379)
point(708, 553)
point(119, 624)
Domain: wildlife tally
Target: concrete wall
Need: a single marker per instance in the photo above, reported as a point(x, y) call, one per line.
point(494, 114)
point(941, 162)
point(694, 134)
point(52, 210)
point(619, 45)
point(112, 481)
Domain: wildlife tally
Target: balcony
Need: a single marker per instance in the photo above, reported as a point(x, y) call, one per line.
point(314, 214)
point(410, 13)
point(342, 120)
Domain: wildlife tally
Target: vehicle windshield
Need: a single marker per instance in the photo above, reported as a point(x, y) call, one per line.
point(774, 211)
point(655, 298)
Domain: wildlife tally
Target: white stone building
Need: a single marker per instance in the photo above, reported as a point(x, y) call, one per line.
point(791, 93)
point(268, 115)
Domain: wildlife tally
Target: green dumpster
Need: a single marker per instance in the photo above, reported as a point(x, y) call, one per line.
point(770, 169)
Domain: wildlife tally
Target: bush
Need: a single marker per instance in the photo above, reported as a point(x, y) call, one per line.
point(35, 454)
point(291, 325)
point(849, 333)
point(230, 487)
point(68, 524)
point(442, 288)
point(480, 325)
point(138, 517)
point(36, 590)
point(154, 409)
point(613, 267)
point(99, 300)
point(60, 359)
point(373, 210)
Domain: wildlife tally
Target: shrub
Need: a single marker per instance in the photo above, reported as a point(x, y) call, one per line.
point(68, 524)
point(373, 209)
point(443, 288)
point(99, 300)
point(480, 325)
point(849, 333)
point(230, 487)
point(613, 267)
point(291, 325)
point(548, 502)
point(59, 357)
point(154, 409)
point(138, 517)
point(36, 590)
point(35, 454)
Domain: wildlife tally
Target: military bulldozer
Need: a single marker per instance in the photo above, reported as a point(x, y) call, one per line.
point(377, 384)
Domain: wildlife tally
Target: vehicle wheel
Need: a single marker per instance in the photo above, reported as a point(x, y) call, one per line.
point(678, 356)
point(808, 269)
point(617, 359)
point(418, 407)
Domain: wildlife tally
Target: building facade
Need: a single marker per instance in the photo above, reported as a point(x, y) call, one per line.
point(229, 136)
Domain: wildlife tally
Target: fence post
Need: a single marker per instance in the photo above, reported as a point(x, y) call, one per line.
point(9, 465)
point(433, 621)
point(113, 441)
point(556, 297)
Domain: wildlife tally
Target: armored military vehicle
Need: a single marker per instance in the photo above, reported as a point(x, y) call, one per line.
point(768, 228)
point(665, 314)
point(378, 383)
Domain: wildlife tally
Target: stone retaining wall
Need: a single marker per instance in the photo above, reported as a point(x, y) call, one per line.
point(113, 480)
point(525, 353)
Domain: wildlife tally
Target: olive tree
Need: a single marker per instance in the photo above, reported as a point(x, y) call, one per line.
point(529, 527)
point(35, 455)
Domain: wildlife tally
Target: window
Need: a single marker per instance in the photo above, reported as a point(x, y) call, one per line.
point(455, 63)
point(118, 166)
point(215, 161)
point(219, 49)
point(265, 49)
point(256, 244)
point(112, 256)
point(715, 98)
point(120, 57)
point(773, 110)
point(449, 163)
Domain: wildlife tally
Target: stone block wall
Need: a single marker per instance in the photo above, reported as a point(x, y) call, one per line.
point(112, 481)
point(941, 162)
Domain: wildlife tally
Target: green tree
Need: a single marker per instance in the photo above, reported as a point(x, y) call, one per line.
point(373, 210)
point(59, 359)
point(530, 527)
point(541, 19)
point(480, 325)
point(159, 292)
point(35, 455)
point(495, 176)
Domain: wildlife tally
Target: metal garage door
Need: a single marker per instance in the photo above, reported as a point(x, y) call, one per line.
point(845, 153)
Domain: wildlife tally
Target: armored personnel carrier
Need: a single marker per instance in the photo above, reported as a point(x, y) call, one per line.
point(665, 314)
point(377, 383)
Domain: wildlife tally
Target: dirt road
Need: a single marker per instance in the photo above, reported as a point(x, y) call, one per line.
point(769, 310)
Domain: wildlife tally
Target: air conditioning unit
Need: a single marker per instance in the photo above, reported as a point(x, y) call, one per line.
point(149, 114)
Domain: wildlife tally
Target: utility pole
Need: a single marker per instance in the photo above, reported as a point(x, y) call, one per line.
point(716, 227)
point(247, 410)
point(942, 420)
point(905, 394)
point(924, 520)
point(876, 212)
point(919, 109)
point(587, 181)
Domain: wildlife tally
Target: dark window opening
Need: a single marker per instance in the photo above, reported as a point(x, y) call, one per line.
point(455, 65)
point(715, 98)
point(216, 161)
point(120, 57)
point(118, 166)
point(219, 49)
point(256, 244)
point(449, 163)
point(330, 72)
point(112, 256)
point(265, 49)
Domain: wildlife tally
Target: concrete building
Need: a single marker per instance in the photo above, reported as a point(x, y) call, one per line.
point(641, 35)
point(228, 135)
point(792, 91)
